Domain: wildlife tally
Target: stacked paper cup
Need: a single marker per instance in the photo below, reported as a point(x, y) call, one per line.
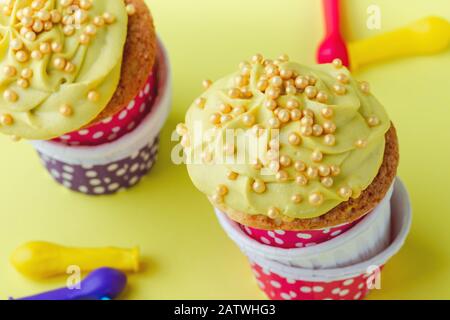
point(345, 267)
point(116, 153)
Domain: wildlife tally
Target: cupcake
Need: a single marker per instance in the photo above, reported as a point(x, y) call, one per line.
point(327, 151)
point(79, 78)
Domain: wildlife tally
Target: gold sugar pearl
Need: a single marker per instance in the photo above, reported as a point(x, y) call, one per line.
point(272, 154)
point(23, 83)
point(284, 115)
point(248, 120)
point(301, 180)
point(16, 44)
point(225, 108)
point(343, 78)
point(373, 121)
point(316, 198)
point(215, 118)
point(327, 113)
point(291, 90)
point(109, 18)
point(27, 12)
point(84, 39)
point(296, 115)
point(56, 47)
point(274, 166)
point(312, 80)
point(257, 58)
point(317, 156)
point(81, 16)
point(241, 81)
point(270, 104)
point(282, 176)
point(55, 16)
point(27, 73)
point(306, 131)
point(258, 130)
point(232, 176)
point(327, 182)
point(324, 170)
point(131, 9)
point(312, 172)
point(292, 104)
point(69, 68)
point(262, 85)
point(345, 192)
point(225, 118)
point(36, 55)
point(27, 22)
point(273, 93)
point(308, 113)
point(300, 166)
point(274, 123)
point(247, 93)
point(45, 48)
point(222, 190)
point(10, 95)
point(200, 102)
point(339, 89)
point(286, 74)
point(23, 31)
point(6, 120)
point(338, 63)
point(285, 161)
point(307, 121)
point(43, 15)
point(206, 83)
point(276, 81)
point(322, 97)
point(329, 127)
point(311, 92)
point(9, 71)
point(329, 140)
point(22, 56)
point(361, 143)
point(66, 110)
point(296, 198)
point(99, 21)
point(284, 57)
point(365, 87)
point(273, 213)
point(68, 20)
point(69, 30)
point(272, 71)
point(93, 96)
point(237, 111)
point(335, 170)
point(48, 25)
point(37, 4)
point(259, 186)
point(234, 93)
point(59, 63)
point(181, 129)
point(294, 139)
point(317, 130)
point(30, 36)
point(301, 82)
point(85, 4)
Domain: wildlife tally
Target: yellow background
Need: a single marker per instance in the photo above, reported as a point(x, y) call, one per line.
point(187, 256)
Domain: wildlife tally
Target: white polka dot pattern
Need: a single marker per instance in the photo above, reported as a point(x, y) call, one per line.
point(104, 179)
point(279, 288)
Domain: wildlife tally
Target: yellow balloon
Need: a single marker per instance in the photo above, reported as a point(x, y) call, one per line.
point(41, 260)
point(426, 36)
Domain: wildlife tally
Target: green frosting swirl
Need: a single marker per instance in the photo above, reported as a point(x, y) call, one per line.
point(36, 113)
point(358, 151)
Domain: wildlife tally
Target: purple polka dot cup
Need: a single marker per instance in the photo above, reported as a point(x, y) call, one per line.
point(352, 282)
point(118, 165)
point(365, 240)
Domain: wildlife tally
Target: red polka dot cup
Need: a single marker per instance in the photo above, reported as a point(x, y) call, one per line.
point(353, 282)
point(114, 166)
point(363, 241)
point(115, 127)
point(297, 239)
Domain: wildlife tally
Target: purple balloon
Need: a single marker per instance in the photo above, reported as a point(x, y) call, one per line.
point(101, 284)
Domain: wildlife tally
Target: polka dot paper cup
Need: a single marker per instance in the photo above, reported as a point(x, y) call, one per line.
point(354, 282)
point(115, 127)
point(297, 239)
point(366, 239)
point(118, 165)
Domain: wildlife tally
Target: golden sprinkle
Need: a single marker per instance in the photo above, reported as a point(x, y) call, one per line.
point(329, 140)
point(234, 93)
point(36, 55)
point(338, 63)
point(296, 115)
point(93, 96)
point(329, 127)
point(282, 176)
point(215, 118)
point(322, 97)
point(9, 71)
point(343, 78)
point(273, 212)
point(270, 104)
point(361, 143)
point(312, 172)
point(45, 48)
point(285, 161)
point(225, 108)
point(294, 139)
point(232, 175)
point(301, 82)
point(365, 87)
point(335, 170)
point(327, 182)
point(301, 180)
point(259, 186)
point(373, 121)
point(56, 47)
point(6, 120)
point(339, 89)
point(249, 120)
point(311, 92)
point(131, 9)
point(316, 198)
point(324, 171)
point(327, 112)
point(317, 156)
point(22, 56)
point(297, 198)
point(222, 190)
point(206, 84)
point(345, 192)
point(16, 44)
point(27, 73)
point(200, 102)
point(66, 110)
point(317, 130)
point(10, 95)
point(300, 166)
point(23, 83)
